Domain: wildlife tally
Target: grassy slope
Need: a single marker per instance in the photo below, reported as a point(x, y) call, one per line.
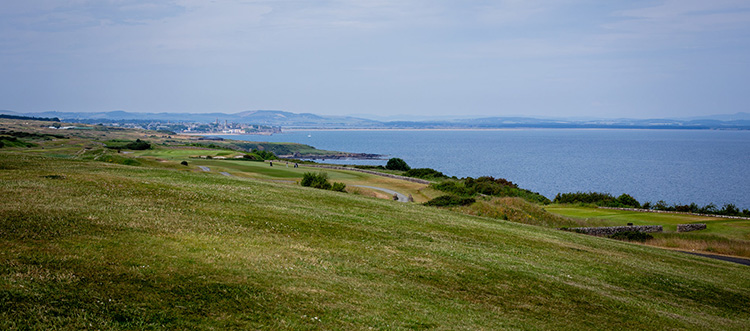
point(722, 235)
point(169, 151)
point(95, 245)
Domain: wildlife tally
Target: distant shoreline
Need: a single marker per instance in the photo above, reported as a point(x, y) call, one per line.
point(495, 129)
point(285, 130)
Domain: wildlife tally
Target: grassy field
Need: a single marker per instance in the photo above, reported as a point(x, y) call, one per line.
point(168, 151)
point(722, 235)
point(86, 244)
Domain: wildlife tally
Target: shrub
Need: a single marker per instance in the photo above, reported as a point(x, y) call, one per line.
point(14, 142)
point(487, 185)
point(449, 200)
point(319, 180)
point(264, 155)
point(598, 199)
point(126, 144)
point(397, 164)
point(338, 187)
point(425, 173)
point(368, 167)
point(137, 145)
point(632, 236)
point(185, 163)
point(628, 200)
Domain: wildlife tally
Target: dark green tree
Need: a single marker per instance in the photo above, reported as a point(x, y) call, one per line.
point(628, 201)
point(397, 164)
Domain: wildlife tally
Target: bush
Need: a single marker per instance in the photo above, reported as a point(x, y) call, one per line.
point(138, 145)
point(338, 187)
point(319, 180)
point(369, 167)
point(425, 173)
point(449, 200)
point(264, 155)
point(487, 185)
point(14, 142)
point(126, 144)
point(709, 209)
point(397, 164)
point(632, 236)
point(185, 163)
point(628, 200)
point(598, 199)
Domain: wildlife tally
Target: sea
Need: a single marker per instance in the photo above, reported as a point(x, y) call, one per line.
point(676, 166)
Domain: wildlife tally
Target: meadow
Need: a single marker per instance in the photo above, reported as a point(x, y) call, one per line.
point(90, 242)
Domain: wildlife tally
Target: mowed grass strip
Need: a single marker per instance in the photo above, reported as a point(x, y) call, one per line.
point(91, 245)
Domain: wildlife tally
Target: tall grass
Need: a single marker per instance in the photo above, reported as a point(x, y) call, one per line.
point(703, 243)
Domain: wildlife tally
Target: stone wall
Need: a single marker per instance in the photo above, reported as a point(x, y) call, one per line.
point(690, 227)
point(610, 230)
point(410, 179)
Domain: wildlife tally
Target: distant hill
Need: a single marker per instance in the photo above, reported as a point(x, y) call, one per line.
point(742, 116)
point(262, 117)
point(738, 121)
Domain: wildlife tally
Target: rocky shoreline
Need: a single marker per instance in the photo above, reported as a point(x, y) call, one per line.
point(337, 156)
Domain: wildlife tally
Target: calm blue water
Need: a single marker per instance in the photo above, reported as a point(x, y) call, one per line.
point(678, 166)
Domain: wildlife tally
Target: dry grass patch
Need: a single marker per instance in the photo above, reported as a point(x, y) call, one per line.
point(705, 244)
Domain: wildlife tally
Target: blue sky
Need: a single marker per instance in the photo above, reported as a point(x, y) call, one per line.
point(561, 58)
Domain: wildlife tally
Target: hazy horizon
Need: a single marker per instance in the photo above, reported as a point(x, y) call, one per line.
point(419, 59)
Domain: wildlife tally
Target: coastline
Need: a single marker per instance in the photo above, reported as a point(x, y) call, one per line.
point(283, 130)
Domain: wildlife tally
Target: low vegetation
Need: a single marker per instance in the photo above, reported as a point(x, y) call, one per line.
point(259, 155)
point(137, 145)
point(487, 185)
point(597, 199)
point(709, 209)
point(627, 201)
point(449, 201)
point(425, 173)
point(320, 180)
point(14, 142)
point(397, 164)
point(632, 236)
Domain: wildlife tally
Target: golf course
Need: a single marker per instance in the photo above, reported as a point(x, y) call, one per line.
point(188, 234)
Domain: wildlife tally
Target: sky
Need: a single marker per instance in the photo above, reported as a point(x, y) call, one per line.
point(543, 58)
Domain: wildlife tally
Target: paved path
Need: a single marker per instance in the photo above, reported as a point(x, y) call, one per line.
point(739, 260)
point(401, 197)
point(226, 174)
point(204, 168)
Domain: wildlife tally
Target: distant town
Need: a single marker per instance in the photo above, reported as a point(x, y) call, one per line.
point(216, 127)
